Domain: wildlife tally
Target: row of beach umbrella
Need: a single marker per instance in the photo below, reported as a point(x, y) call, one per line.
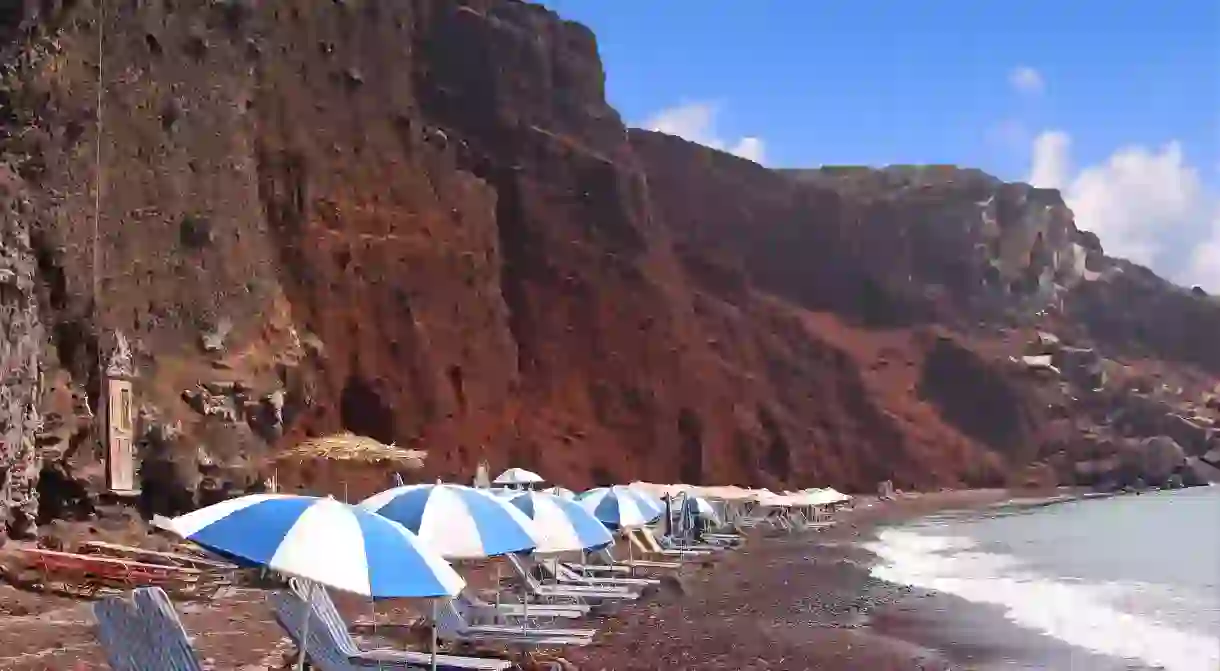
point(395, 544)
point(398, 543)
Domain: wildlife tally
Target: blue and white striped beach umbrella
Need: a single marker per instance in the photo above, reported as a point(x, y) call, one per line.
point(619, 507)
point(561, 525)
point(459, 522)
point(657, 505)
point(322, 540)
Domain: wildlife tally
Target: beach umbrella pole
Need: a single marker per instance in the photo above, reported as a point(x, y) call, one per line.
point(433, 646)
point(305, 590)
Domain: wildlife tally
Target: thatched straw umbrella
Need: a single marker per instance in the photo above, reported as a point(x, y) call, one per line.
point(343, 465)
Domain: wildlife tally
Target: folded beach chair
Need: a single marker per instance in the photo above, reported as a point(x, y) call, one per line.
point(566, 576)
point(144, 634)
point(536, 588)
point(454, 625)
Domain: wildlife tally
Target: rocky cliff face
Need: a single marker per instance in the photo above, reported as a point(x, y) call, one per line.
point(420, 221)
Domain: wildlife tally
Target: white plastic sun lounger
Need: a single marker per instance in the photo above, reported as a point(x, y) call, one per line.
point(325, 651)
point(536, 588)
point(565, 576)
point(638, 563)
point(328, 616)
point(512, 609)
point(453, 625)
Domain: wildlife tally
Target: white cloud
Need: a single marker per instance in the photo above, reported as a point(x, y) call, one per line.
point(1147, 204)
point(1026, 80)
point(1051, 158)
point(697, 122)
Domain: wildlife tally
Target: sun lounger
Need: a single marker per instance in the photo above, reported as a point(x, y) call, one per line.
point(319, 643)
point(647, 550)
point(512, 609)
point(454, 625)
point(597, 568)
point(119, 633)
point(733, 539)
point(144, 634)
point(671, 543)
point(328, 616)
point(651, 545)
point(566, 576)
point(639, 563)
point(538, 589)
point(171, 645)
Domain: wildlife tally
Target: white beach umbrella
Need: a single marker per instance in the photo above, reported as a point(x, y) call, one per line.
point(517, 476)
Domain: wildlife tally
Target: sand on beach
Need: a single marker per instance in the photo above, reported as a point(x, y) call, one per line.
point(782, 602)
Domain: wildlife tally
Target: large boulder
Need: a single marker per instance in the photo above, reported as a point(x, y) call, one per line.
point(1152, 460)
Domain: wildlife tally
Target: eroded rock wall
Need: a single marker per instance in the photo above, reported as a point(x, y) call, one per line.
point(21, 348)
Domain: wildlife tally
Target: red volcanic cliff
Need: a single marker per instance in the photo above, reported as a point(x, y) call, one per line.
point(421, 221)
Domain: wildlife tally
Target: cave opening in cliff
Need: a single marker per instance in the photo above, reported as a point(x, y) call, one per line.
point(162, 489)
point(76, 346)
point(60, 496)
point(362, 411)
point(778, 458)
point(458, 383)
point(690, 433)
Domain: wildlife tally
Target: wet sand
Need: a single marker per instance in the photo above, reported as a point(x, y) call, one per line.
point(794, 602)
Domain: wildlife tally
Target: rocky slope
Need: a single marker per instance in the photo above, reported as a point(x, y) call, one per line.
point(421, 221)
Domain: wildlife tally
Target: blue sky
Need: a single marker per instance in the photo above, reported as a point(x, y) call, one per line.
point(1124, 95)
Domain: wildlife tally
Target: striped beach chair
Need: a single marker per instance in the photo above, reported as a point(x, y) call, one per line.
point(328, 616)
point(144, 633)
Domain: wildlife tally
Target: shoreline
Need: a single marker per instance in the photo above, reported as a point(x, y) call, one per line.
point(809, 601)
point(976, 635)
point(794, 602)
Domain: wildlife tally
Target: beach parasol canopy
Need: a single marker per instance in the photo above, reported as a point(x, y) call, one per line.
point(561, 525)
point(342, 464)
point(517, 476)
point(561, 492)
point(322, 540)
point(459, 522)
point(651, 501)
point(353, 448)
point(619, 507)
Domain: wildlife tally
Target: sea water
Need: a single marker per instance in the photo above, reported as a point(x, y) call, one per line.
point(1132, 577)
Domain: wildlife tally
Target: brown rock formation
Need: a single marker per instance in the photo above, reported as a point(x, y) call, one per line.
point(420, 221)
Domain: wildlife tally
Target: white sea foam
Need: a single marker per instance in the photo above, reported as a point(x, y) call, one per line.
point(1100, 617)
